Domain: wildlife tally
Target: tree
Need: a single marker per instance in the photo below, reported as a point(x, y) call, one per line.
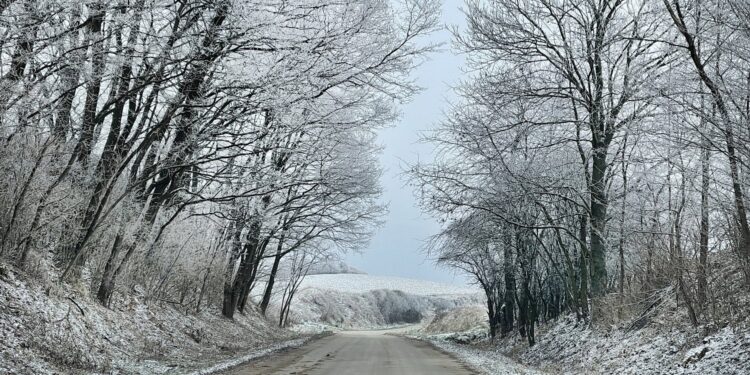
point(129, 125)
point(571, 108)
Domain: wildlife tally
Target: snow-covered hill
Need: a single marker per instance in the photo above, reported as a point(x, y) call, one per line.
point(367, 301)
point(332, 266)
point(361, 283)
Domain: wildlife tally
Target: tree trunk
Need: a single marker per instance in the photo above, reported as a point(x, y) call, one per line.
point(232, 295)
point(598, 222)
point(678, 252)
point(508, 308)
point(247, 285)
point(492, 316)
point(272, 277)
point(583, 260)
point(106, 287)
point(704, 225)
point(235, 254)
point(622, 222)
point(86, 139)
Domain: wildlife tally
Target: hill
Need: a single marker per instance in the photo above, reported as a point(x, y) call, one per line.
point(360, 301)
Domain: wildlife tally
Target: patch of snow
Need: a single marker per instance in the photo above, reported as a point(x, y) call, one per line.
point(313, 328)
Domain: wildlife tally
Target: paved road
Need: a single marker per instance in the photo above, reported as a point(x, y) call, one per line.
point(358, 353)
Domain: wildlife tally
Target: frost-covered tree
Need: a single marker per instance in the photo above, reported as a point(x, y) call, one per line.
point(598, 148)
point(130, 125)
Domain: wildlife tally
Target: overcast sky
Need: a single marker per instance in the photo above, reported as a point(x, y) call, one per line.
point(397, 248)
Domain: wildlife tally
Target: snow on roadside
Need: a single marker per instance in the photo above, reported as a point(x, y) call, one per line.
point(313, 328)
point(226, 365)
point(656, 349)
point(453, 330)
point(45, 329)
point(485, 361)
point(461, 319)
point(568, 346)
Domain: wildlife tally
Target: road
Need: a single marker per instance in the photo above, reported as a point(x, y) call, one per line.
point(358, 353)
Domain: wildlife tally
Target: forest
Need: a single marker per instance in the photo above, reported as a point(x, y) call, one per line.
point(183, 148)
point(207, 154)
point(596, 161)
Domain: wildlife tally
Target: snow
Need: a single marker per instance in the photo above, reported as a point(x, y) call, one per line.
point(484, 361)
point(459, 320)
point(570, 347)
point(45, 329)
point(226, 365)
point(371, 309)
point(360, 301)
point(313, 328)
point(358, 283)
point(48, 329)
point(332, 266)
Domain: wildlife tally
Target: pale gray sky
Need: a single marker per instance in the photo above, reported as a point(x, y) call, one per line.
point(396, 248)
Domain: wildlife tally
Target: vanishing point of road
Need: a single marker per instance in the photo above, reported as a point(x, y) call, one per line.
point(358, 353)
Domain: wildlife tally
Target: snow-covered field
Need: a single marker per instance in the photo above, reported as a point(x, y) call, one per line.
point(361, 283)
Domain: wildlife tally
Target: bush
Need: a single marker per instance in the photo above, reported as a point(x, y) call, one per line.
point(404, 316)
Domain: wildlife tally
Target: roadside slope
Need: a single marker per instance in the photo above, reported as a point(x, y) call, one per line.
point(45, 329)
point(567, 346)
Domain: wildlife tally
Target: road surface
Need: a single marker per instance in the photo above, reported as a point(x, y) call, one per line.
point(358, 353)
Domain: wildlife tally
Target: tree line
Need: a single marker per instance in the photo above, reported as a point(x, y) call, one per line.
point(596, 160)
point(181, 149)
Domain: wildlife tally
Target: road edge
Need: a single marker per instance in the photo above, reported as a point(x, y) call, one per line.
point(258, 354)
point(482, 362)
point(467, 366)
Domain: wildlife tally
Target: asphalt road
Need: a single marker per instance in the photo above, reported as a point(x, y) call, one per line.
point(358, 353)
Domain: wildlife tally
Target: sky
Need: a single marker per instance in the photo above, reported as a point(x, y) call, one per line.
point(397, 249)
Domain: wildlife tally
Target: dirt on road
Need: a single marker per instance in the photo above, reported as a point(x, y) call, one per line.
point(358, 353)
